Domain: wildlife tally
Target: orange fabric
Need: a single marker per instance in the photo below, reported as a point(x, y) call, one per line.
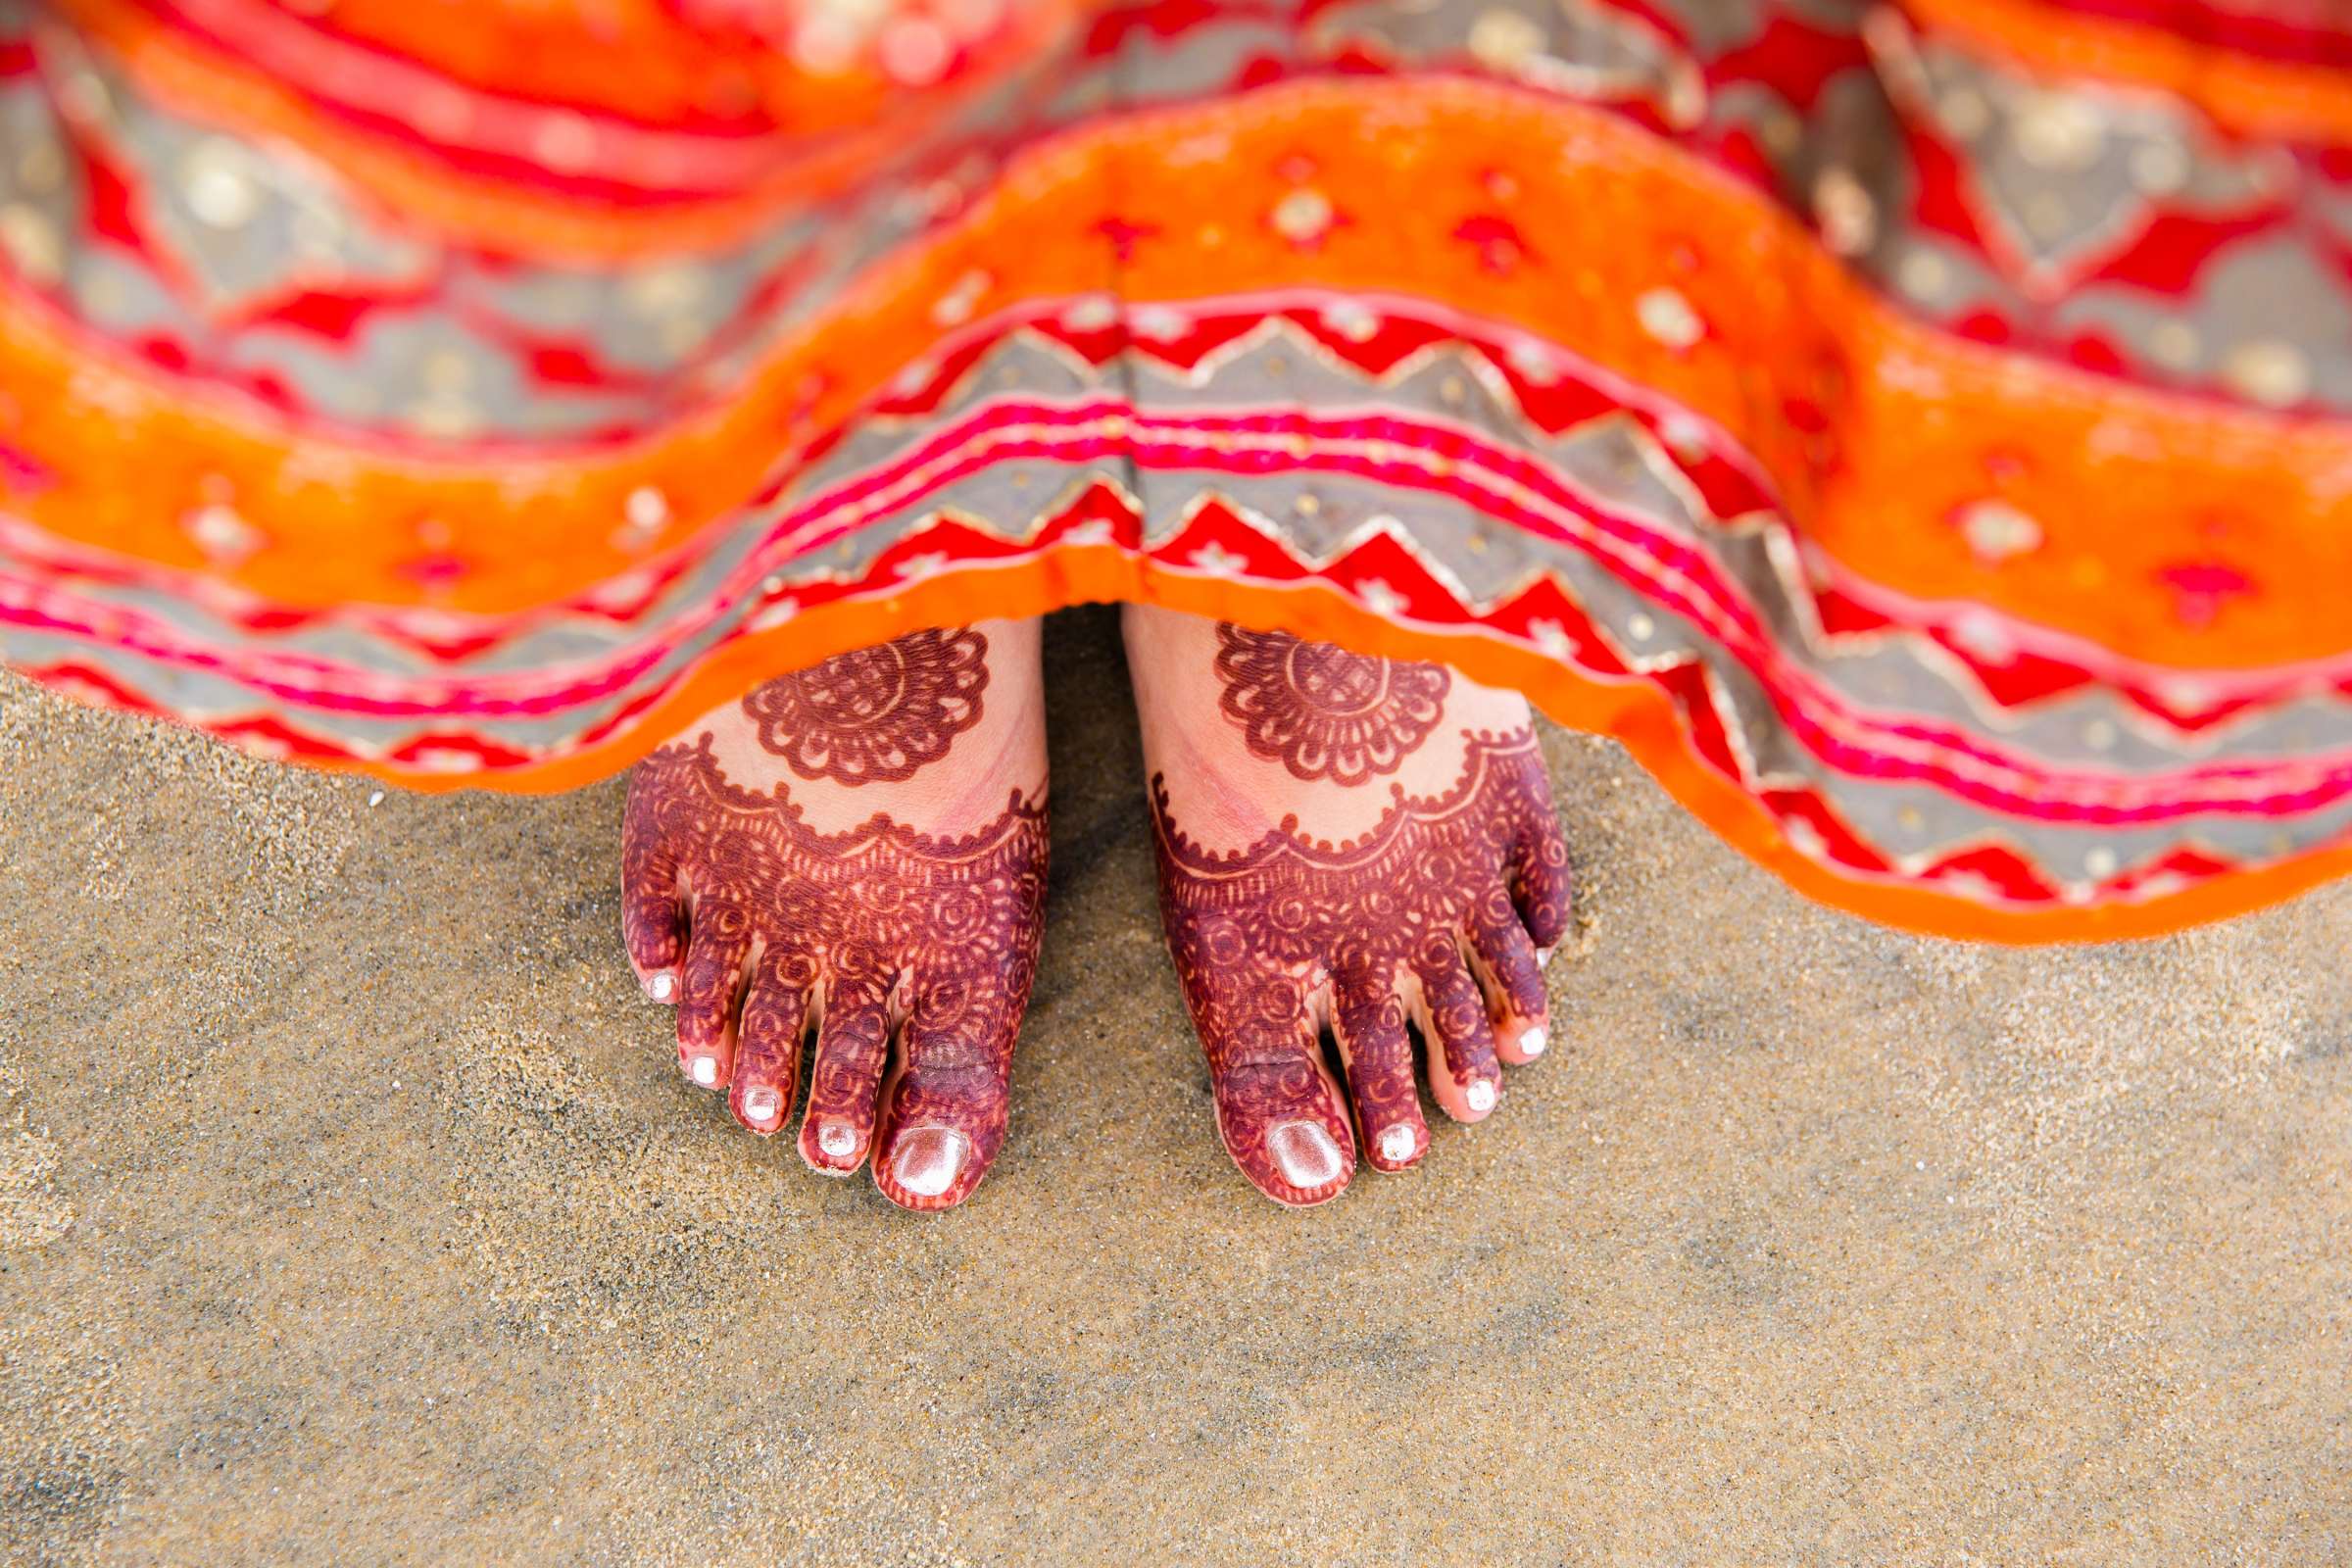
point(1787, 328)
point(628, 57)
point(862, 123)
point(2264, 99)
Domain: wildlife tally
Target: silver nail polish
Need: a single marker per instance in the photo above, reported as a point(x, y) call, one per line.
point(1397, 1144)
point(1532, 1042)
point(837, 1139)
point(662, 986)
point(705, 1070)
point(760, 1104)
point(928, 1159)
point(1479, 1096)
point(1304, 1153)
point(1542, 957)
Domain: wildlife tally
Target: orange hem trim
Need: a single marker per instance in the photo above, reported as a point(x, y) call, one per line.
point(1642, 718)
point(2250, 96)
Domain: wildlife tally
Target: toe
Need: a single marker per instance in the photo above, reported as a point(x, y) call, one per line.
point(768, 1045)
point(853, 1047)
point(1464, 1075)
point(943, 1110)
point(709, 990)
point(1503, 960)
point(652, 920)
point(1543, 888)
point(1368, 1022)
point(942, 1120)
point(1281, 1117)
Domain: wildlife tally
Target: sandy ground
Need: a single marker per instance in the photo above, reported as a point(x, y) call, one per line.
point(352, 1211)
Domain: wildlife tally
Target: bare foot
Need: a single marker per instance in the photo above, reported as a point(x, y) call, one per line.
point(855, 854)
point(1346, 844)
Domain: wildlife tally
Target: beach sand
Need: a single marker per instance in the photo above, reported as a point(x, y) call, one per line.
point(352, 1211)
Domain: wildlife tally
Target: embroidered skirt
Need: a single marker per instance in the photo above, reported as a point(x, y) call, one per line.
point(1919, 431)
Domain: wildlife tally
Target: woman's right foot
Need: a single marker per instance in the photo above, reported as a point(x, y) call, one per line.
point(1345, 842)
point(854, 855)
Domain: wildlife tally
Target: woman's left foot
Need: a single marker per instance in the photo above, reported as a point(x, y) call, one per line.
point(1345, 844)
point(853, 856)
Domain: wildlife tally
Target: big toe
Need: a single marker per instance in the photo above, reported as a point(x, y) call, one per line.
point(1285, 1127)
point(942, 1125)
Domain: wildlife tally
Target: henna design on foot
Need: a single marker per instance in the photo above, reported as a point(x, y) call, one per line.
point(1436, 913)
point(846, 934)
point(1321, 711)
point(875, 713)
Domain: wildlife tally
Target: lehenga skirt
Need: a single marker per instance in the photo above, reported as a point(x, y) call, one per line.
point(1918, 431)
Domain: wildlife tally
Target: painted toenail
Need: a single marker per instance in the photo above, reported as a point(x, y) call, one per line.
point(837, 1139)
point(1397, 1144)
point(1532, 1042)
point(760, 1104)
point(1306, 1152)
point(1542, 957)
point(705, 1070)
point(660, 986)
point(929, 1160)
point(1479, 1096)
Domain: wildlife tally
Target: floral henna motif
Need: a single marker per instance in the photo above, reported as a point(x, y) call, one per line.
point(1441, 888)
point(841, 930)
point(1323, 711)
point(877, 714)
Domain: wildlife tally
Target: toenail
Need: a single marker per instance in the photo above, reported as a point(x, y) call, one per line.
point(1306, 1152)
point(660, 986)
point(1542, 957)
point(837, 1139)
point(1396, 1143)
point(1532, 1042)
point(705, 1070)
point(760, 1104)
point(1479, 1096)
point(929, 1160)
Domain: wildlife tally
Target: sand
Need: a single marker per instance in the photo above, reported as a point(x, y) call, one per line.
point(352, 1211)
